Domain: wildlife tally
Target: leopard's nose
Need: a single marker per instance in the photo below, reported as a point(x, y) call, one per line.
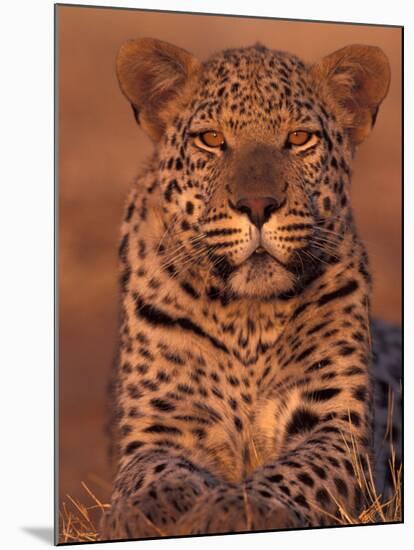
point(258, 209)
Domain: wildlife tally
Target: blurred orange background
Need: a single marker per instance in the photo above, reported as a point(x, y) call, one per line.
point(100, 150)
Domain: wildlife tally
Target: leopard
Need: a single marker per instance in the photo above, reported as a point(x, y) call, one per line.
point(251, 378)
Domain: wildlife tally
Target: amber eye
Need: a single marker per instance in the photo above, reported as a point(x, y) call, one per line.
point(212, 139)
point(300, 137)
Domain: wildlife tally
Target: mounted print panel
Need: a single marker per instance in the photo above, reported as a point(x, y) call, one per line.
point(229, 262)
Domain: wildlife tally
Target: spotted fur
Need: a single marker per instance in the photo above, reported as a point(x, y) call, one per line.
point(245, 369)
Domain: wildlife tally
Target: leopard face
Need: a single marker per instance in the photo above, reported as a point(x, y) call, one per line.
point(254, 172)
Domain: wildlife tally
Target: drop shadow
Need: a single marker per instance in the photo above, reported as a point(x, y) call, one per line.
point(45, 534)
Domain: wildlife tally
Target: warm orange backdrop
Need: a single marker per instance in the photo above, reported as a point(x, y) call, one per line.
point(101, 149)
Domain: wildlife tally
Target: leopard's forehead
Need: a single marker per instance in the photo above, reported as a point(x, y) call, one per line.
point(254, 89)
point(252, 63)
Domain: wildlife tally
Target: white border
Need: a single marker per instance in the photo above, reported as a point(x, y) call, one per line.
point(26, 295)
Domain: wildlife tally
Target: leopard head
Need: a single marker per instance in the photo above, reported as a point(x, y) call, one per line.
point(254, 150)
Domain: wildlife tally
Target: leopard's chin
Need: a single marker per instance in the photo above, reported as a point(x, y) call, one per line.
point(261, 276)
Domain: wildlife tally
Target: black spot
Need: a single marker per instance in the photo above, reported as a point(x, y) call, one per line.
point(285, 490)
point(217, 393)
point(291, 464)
point(358, 336)
point(171, 270)
point(322, 395)
point(185, 226)
point(326, 136)
point(346, 350)
point(124, 278)
point(159, 468)
point(187, 324)
point(133, 446)
point(126, 429)
point(133, 412)
point(266, 494)
point(200, 433)
point(246, 398)
point(173, 185)
point(189, 289)
point(301, 421)
point(123, 248)
point(173, 358)
point(150, 385)
point(328, 375)
point(317, 328)
point(277, 478)
point(301, 500)
point(141, 249)
point(327, 203)
point(322, 497)
point(358, 498)
point(305, 353)
point(349, 468)
point(300, 309)
point(138, 485)
point(341, 486)
point(238, 423)
point(345, 290)
point(162, 429)
point(185, 388)
point(189, 208)
point(126, 367)
point(187, 465)
point(233, 380)
point(318, 471)
point(142, 368)
point(233, 403)
point(162, 405)
point(319, 365)
point(360, 393)
point(352, 371)
point(353, 417)
point(133, 391)
point(144, 352)
point(306, 479)
point(212, 293)
point(130, 211)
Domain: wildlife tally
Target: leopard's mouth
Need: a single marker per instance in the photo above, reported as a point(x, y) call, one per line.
point(261, 256)
point(260, 261)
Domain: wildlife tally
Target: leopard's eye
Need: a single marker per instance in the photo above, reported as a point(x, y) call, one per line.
point(212, 139)
point(300, 137)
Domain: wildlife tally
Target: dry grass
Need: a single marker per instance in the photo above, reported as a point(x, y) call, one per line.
point(79, 521)
point(376, 508)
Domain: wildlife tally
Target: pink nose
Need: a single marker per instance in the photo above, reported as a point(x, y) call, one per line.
point(258, 209)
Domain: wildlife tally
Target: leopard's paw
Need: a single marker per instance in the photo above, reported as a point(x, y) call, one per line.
point(236, 510)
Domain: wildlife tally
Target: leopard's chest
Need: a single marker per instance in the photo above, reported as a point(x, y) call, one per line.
point(253, 417)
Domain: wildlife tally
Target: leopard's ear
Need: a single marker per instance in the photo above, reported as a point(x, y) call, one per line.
point(156, 78)
point(354, 80)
